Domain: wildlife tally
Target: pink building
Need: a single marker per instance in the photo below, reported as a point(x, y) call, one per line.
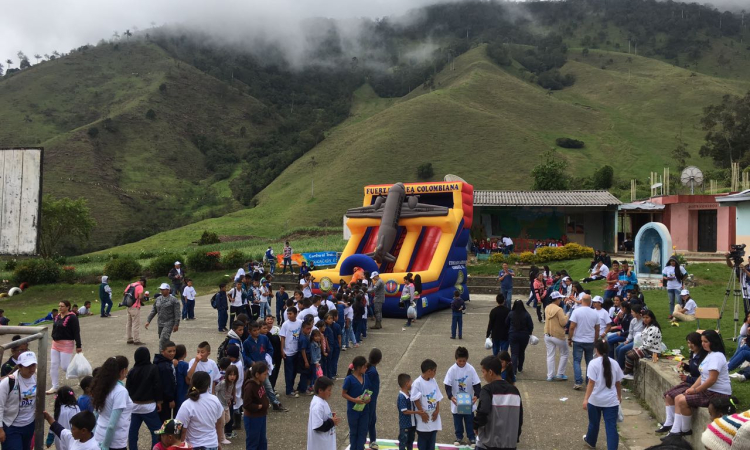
point(696, 222)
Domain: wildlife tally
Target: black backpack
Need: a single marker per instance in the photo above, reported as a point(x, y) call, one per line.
point(222, 351)
point(128, 299)
point(214, 301)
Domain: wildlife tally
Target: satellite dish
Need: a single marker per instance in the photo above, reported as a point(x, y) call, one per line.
point(691, 176)
point(451, 177)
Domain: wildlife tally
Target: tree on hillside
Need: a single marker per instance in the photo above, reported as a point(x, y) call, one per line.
point(127, 34)
point(728, 127)
point(64, 221)
point(9, 62)
point(603, 177)
point(25, 64)
point(115, 36)
point(550, 174)
point(46, 56)
point(680, 153)
point(37, 56)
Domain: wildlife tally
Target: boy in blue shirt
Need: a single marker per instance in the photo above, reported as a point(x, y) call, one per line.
point(281, 298)
point(305, 357)
point(407, 423)
point(256, 347)
point(335, 345)
point(221, 305)
point(374, 378)
point(506, 283)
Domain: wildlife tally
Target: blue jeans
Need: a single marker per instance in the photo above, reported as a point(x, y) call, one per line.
point(518, 344)
point(255, 433)
point(499, 346)
point(612, 342)
point(610, 425)
point(289, 374)
point(457, 320)
point(18, 438)
point(459, 420)
point(152, 422)
point(177, 290)
point(279, 309)
point(609, 294)
point(291, 267)
point(507, 294)
point(673, 294)
point(406, 438)
point(363, 327)
point(741, 355)
point(585, 349)
point(106, 307)
point(265, 308)
point(190, 309)
point(358, 424)
point(426, 440)
point(223, 317)
point(348, 339)
point(620, 353)
point(371, 431)
point(184, 308)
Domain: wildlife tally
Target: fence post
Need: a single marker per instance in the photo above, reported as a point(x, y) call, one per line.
point(41, 387)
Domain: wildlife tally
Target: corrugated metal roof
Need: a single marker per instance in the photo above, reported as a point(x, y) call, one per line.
point(641, 206)
point(544, 198)
point(743, 196)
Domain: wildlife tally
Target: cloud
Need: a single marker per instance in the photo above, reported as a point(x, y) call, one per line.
point(41, 26)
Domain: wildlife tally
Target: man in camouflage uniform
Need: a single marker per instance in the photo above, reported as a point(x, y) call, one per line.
point(168, 309)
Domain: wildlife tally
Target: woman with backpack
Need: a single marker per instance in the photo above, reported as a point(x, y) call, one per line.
point(66, 337)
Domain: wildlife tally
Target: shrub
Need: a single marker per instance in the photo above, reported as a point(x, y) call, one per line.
point(233, 260)
point(204, 261)
point(528, 258)
point(569, 143)
point(209, 238)
point(603, 177)
point(68, 275)
point(499, 258)
point(151, 114)
point(123, 268)
point(37, 271)
point(93, 132)
point(161, 265)
point(425, 171)
point(11, 264)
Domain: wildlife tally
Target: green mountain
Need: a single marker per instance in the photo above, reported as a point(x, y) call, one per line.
point(488, 125)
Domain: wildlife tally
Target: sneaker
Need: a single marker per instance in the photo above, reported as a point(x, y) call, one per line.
point(473, 443)
point(453, 337)
point(225, 442)
point(231, 435)
point(738, 377)
point(313, 393)
point(587, 442)
point(374, 446)
point(343, 349)
point(138, 343)
point(577, 387)
point(129, 341)
point(296, 395)
point(290, 395)
point(52, 391)
point(550, 379)
point(561, 378)
point(628, 377)
point(279, 407)
point(456, 444)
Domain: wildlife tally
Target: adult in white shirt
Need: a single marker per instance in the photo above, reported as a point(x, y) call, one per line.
point(237, 304)
point(111, 401)
point(673, 274)
point(603, 396)
point(584, 328)
point(604, 319)
point(305, 285)
point(17, 404)
point(714, 382)
point(685, 311)
point(599, 272)
point(507, 245)
point(201, 414)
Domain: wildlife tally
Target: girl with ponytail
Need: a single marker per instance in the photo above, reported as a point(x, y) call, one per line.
point(112, 402)
point(603, 396)
point(201, 414)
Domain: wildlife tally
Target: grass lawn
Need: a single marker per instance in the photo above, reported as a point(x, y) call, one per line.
point(710, 280)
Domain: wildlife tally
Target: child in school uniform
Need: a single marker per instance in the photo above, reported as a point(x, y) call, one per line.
point(84, 400)
point(66, 406)
point(462, 378)
point(255, 406)
point(334, 343)
point(321, 422)
point(201, 413)
point(353, 390)
point(426, 395)
point(316, 352)
point(374, 378)
point(407, 414)
point(226, 393)
point(180, 372)
point(78, 436)
point(189, 295)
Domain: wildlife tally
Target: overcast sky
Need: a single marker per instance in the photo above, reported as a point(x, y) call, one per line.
point(41, 26)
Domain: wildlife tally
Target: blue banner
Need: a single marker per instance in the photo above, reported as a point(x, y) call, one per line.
point(321, 258)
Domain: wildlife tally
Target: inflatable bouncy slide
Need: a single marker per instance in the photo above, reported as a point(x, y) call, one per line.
point(422, 228)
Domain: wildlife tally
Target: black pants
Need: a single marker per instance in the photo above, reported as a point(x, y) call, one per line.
point(166, 412)
point(230, 424)
point(275, 374)
point(518, 344)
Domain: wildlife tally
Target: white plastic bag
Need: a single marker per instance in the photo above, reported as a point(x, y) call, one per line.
point(488, 343)
point(533, 340)
point(637, 340)
point(411, 313)
point(620, 416)
point(79, 367)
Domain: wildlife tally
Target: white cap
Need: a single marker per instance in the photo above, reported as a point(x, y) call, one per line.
point(104, 278)
point(26, 359)
point(597, 299)
point(566, 278)
point(685, 292)
point(555, 295)
point(164, 286)
point(177, 263)
point(145, 293)
point(374, 274)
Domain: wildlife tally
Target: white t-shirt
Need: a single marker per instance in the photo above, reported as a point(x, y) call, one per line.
point(319, 413)
point(690, 306)
point(428, 394)
point(585, 319)
point(28, 387)
point(235, 297)
point(69, 443)
point(199, 419)
point(117, 398)
point(718, 362)
point(602, 396)
point(311, 311)
point(462, 380)
point(210, 368)
point(189, 293)
point(265, 294)
point(673, 283)
point(507, 241)
point(290, 331)
point(82, 311)
point(331, 306)
point(306, 291)
point(603, 271)
point(238, 384)
point(66, 412)
point(349, 313)
point(240, 274)
point(604, 319)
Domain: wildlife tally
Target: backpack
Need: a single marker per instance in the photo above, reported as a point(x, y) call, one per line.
point(128, 299)
point(214, 301)
point(222, 351)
